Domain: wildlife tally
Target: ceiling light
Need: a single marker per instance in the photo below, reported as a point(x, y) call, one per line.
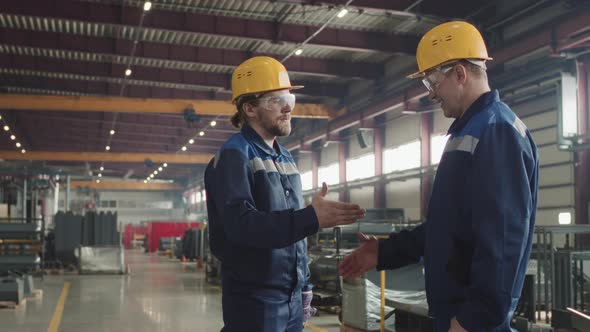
point(6, 128)
point(97, 181)
point(298, 52)
point(128, 72)
point(202, 133)
point(107, 148)
point(17, 144)
point(99, 175)
point(155, 172)
point(151, 176)
point(12, 137)
point(0, 117)
point(101, 168)
point(23, 151)
point(183, 148)
point(191, 141)
point(160, 169)
point(165, 165)
point(144, 181)
point(213, 123)
point(342, 13)
point(147, 6)
point(112, 132)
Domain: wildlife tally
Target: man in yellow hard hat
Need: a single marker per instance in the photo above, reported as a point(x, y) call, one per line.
point(477, 237)
point(257, 220)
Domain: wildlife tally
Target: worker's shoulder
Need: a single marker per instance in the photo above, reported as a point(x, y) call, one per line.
point(496, 116)
point(236, 141)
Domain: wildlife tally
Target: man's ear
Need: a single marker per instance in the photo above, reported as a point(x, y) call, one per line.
point(249, 110)
point(460, 72)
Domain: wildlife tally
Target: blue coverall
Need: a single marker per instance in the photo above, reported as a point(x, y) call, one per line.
point(477, 236)
point(258, 229)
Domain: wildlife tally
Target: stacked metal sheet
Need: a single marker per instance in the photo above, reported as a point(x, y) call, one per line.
point(92, 229)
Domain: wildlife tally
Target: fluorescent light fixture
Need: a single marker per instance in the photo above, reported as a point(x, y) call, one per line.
point(342, 13)
point(298, 52)
point(565, 218)
point(568, 105)
point(147, 6)
point(213, 123)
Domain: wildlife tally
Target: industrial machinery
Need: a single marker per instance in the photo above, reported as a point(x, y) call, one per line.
point(21, 254)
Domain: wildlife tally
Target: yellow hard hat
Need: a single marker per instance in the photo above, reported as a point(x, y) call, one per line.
point(454, 40)
point(260, 74)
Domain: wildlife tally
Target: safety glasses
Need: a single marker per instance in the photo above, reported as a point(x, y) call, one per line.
point(278, 102)
point(432, 80)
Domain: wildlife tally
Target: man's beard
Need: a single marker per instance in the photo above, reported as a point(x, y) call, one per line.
point(280, 129)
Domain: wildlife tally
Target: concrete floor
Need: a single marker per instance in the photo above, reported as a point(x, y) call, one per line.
point(159, 294)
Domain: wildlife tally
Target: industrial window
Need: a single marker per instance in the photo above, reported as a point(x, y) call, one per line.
point(204, 195)
point(401, 157)
point(564, 218)
point(437, 147)
point(361, 167)
point(107, 204)
point(199, 197)
point(329, 174)
point(306, 180)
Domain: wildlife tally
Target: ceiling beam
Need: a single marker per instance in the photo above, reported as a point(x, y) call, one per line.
point(169, 158)
point(448, 8)
point(145, 79)
point(137, 105)
point(133, 122)
point(200, 24)
point(151, 54)
point(127, 185)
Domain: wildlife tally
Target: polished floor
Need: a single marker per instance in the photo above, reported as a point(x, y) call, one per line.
point(159, 294)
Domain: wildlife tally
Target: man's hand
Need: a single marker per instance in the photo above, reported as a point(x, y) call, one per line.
point(456, 327)
point(308, 310)
point(363, 259)
point(330, 213)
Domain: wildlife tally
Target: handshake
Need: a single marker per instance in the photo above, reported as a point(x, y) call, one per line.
point(330, 214)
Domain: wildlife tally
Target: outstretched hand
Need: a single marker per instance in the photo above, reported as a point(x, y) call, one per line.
point(331, 213)
point(363, 259)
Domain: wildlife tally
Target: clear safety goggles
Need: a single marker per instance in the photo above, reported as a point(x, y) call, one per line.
point(278, 102)
point(432, 80)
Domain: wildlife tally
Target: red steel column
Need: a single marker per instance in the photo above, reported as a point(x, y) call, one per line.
point(426, 180)
point(582, 157)
point(379, 192)
point(344, 194)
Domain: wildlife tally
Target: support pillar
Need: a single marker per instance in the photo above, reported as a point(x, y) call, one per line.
point(426, 181)
point(379, 192)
